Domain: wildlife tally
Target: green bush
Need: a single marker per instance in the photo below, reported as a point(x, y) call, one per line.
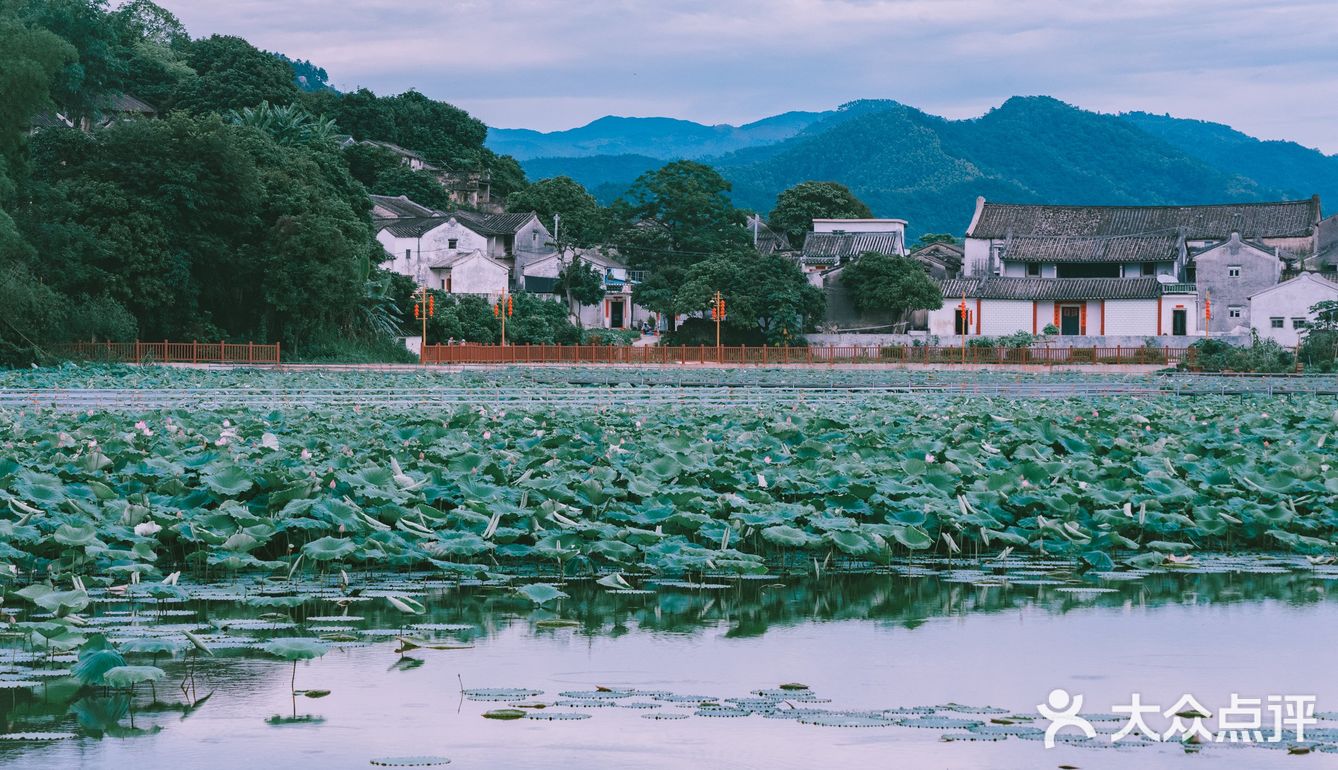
point(611, 337)
point(1265, 356)
point(1319, 350)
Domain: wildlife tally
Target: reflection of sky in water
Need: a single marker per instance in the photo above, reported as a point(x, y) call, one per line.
point(1011, 658)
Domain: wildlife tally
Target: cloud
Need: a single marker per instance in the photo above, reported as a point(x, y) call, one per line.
point(1261, 67)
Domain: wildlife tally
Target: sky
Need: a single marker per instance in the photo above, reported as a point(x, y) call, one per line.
point(1268, 68)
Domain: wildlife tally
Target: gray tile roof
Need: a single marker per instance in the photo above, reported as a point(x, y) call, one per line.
point(493, 224)
point(483, 224)
point(1278, 219)
point(410, 227)
point(998, 287)
point(400, 206)
point(830, 248)
point(1118, 248)
point(116, 102)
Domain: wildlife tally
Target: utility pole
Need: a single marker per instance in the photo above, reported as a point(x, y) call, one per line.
point(717, 315)
point(505, 306)
point(424, 306)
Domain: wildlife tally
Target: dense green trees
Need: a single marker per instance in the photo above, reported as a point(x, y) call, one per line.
point(231, 216)
point(798, 206)
point(678, 225)
point(201, 228)
point(582, 221)
point(882, 283)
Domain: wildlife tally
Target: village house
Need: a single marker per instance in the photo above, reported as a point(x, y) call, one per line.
point(995, 305)
point(1195, 261)
point(459, 252)
point(833, 244)
point(940, 260)
point(111, 107)
point(465, 188)
point(1282, 312)
point(615, 311)
point(766, 240)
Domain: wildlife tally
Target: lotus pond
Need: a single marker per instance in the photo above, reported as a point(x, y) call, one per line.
point(344, 577)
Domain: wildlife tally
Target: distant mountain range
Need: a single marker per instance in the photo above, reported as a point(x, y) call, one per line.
point(906, 163)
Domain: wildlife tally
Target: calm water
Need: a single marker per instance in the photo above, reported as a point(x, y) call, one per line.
point(866, 642)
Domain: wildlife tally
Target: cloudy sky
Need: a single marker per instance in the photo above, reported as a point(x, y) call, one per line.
point(1267, 67)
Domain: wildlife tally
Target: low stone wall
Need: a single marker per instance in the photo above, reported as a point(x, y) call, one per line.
point(1053, 341)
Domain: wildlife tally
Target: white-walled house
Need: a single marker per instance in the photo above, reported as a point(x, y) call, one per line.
point(1229, 273)
point(460, 252)
point(1282, 312)
point(833, 242)
point(615, 311)
point(997, 306)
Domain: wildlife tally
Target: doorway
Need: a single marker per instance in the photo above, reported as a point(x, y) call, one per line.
point(1178, 322)
point(1070, 320)
point(616, 314)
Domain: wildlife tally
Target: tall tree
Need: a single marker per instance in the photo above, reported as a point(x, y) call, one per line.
point(797, 207)
point(582, 220)
point(767, 299)
point(230, 74)
point(100, 64)
point(580, 283)
point(672, 218)
point(882, 283)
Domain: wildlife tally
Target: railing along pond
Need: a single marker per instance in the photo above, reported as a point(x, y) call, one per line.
point(473, 353)
point(169, 352)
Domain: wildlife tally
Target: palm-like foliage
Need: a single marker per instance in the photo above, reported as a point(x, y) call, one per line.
point(288, 124)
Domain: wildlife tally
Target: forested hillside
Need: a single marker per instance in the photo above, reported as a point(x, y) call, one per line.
point(929, 170)
point(229, 212)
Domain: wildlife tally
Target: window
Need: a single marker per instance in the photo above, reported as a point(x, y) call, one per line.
point(1034, 269)
point(1149, 268)
point(450, 243)
point(1191, 275)
point(1235, 311)
point(408, 254)
point(1300, 323)
point(534, 237)
point(1276, 323)
point(1233, 271)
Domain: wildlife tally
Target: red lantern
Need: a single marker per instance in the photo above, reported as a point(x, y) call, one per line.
point(432, 305)
point(415, 311)
point(510, 305)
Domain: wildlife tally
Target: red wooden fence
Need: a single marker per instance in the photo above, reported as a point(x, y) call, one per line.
point(169, 352)
point(764, 355)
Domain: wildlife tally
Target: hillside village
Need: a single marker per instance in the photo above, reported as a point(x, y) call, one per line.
point(360, 208)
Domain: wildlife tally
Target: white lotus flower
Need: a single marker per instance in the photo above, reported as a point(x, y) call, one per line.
point(487, 434)
point(147, 528)
point(269, 441)
point(929, 458)
point(306, 454)
point(761, 481)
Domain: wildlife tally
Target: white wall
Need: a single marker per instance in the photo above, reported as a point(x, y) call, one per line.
point(473, 275)
point(433, 246)
point(975, 250)
point(1287, 301)
point(1193, 314)
point(860, 226)
point(1125, 317)
point(999, 317)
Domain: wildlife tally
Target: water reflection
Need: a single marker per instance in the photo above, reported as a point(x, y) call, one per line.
point(508, 631)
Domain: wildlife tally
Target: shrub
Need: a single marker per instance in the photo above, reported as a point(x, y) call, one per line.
point(1265, 356)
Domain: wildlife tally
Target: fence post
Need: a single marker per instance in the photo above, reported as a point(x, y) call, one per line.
point(250, 352)
point(277, 357)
